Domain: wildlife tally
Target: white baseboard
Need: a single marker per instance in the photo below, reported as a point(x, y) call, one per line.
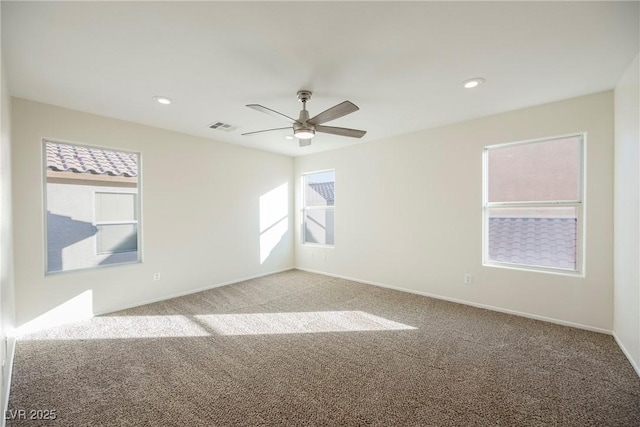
point(11, 349)
point(626, 353)
point(189, 292)
point(465, 302)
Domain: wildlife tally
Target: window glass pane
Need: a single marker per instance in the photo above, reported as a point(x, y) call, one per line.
point(115, 207)
point(84, 187)
point(538, 171)
point(543, 237)
point(318, 206)
point(117, 238)
point(318, 226)
point(319, 189)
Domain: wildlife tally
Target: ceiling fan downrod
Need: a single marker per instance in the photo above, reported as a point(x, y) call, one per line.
point(303, 130)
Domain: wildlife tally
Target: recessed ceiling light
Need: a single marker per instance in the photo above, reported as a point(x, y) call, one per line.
point(471, 83)
point(162, 100)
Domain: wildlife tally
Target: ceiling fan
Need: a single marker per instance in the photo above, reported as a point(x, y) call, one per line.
point(304, 128)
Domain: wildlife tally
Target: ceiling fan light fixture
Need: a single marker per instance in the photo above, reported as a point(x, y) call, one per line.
point(304, 133)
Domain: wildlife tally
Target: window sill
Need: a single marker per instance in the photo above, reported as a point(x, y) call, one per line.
point(318, 245)
point(535, 269)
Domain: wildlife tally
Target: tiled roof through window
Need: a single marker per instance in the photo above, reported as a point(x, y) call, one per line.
point(545, 242)
point(325, 190)
point(97, 161)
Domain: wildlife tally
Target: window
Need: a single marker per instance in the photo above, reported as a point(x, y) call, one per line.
point(92, 207)
point(318, 207)
point(533, 204)
point(116, 222)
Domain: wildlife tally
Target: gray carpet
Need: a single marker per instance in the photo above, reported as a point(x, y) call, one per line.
point(297, 348)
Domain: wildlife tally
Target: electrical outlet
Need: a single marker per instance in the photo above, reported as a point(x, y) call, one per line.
point(468, 279)
point(156, 276)
point(324, 257)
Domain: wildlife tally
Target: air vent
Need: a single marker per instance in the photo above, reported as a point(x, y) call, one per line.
point(225, 127)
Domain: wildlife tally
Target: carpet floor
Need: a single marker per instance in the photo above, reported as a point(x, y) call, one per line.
point(297, 348)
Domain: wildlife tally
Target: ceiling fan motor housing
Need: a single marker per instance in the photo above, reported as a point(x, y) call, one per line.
point(303, 128)
point(304, 95)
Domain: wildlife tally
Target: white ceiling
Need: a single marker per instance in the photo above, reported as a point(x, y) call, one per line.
point(402, 63)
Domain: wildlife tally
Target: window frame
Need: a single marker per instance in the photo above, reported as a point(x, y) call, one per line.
point(305, 208)
point(44, 208)
point(578, 204)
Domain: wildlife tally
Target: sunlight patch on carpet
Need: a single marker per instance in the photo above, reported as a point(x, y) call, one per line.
point(120, 327)
point(298, 323)
point(176, 326)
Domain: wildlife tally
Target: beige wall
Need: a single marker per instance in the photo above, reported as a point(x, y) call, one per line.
point(409, 214)
point(6, 243)
point(627, 213)
point(201, 222)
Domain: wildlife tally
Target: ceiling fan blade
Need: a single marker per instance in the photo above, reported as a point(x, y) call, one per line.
point(304, 142)
point(335, 112)
point(267, 130)
point(353, 133)
point(272, 112)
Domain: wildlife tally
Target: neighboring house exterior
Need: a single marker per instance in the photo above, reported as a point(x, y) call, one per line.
point(541, 241)
point(319, 223)
point(537, 236)
point(92, 206)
